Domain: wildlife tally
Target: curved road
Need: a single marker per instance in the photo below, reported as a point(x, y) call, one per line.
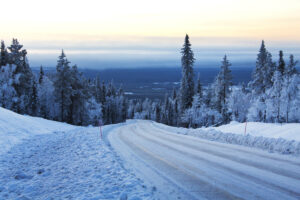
point(185, 167)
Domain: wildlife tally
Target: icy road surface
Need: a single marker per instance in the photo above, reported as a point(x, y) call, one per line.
point(185, 167)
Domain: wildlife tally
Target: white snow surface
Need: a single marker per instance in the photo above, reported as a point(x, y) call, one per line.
point(278, 138)
point(14, 128)
point(289, 131)
point(42, 159)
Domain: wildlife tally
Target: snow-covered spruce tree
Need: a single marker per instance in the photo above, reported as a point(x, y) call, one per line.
point(165, 110)
point(291, 70)
point(187, 80)
point(202, 112)
point(41, 74)
point(63, 89)
point(274, 94)
point(130, 110)
point(80, 94)
point(123, 105)
point(239, 103)
point(34, 101)
point(274, 100)
point(199, 88)
point(208, 96)
point(262, 75)
point(290, 89)
point(91, 109)
point(97, 89)
point(200, 115)
point(198, 97)
point(175, 121)
point(260, 83)
point(281, 63)
point(157, 112)
point(47, 106)
point(291, 99)
point(115, 104)
point(222, 90)
point(3, 55)
point(23, 77)
point(109, 108)
point(8, 95)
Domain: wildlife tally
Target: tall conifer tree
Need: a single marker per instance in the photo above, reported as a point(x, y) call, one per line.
point(187, 80)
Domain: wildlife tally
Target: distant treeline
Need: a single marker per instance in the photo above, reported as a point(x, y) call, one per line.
point(272, 94)
point(66, 96)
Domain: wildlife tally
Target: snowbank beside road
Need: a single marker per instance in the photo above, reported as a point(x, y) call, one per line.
point(285, 131)
point(278, 138)
point(43, 159)
point(15, 127)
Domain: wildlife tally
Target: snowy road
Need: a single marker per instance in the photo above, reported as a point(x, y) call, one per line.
point(185, 167)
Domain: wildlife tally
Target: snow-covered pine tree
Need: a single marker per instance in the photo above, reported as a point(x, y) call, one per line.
point(91, 109)
point(268, 75)
point(3, 55)
point(291, 70)
point(260, 83)
point(63, 89)
point(262, 75)
point(199, 88)
point(8, 95)
point(222, 90)
point(157, 112)
point(122, 105)
point(187, 80)
point(98, 88)
point(34, 100)
point(47, 105)
point(274, 100)
point(239, 103)
point(290, 88)
point(16, 55)
point(23, 77)
point(198, 97)
point(281, 63)
point(41, 75)
point(78, 97)
point(175, 108)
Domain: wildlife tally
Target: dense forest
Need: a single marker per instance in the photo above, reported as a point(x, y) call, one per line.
point(271, 96)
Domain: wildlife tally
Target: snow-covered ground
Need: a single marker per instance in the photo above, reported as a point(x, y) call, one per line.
point(14, 128)
point(42, 159)
point(286, 131)
point(186, 167)
point(278, 138)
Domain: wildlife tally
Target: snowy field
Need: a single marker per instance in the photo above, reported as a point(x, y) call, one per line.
point(42, 159)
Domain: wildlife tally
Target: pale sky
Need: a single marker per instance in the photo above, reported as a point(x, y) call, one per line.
point(44, 26)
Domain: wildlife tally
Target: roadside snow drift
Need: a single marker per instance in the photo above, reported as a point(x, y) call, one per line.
point(42, 159)
point(286, 131)
point(15, 127)
point(277, 138)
